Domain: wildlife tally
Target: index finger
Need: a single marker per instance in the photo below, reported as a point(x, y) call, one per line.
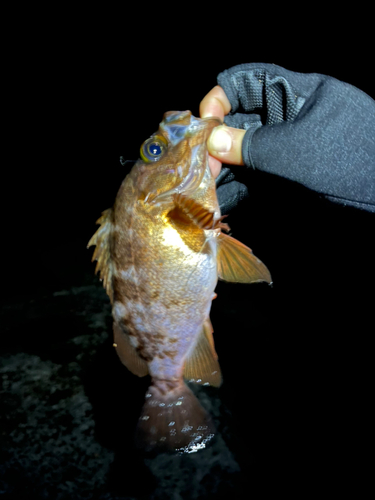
point(215, 103)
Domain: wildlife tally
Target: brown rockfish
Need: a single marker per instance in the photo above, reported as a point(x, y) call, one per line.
point(160, 251)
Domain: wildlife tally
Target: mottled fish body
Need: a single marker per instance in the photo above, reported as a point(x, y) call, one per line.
point(160, 251)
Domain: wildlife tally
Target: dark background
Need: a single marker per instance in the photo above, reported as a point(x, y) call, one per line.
point(293, 411)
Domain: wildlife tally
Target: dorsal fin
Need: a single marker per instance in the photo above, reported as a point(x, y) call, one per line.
point(127, 353)
point(237, 263)
point(202, 364)
point(101, 239)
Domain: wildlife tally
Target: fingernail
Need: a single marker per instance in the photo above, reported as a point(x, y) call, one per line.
point(220, 140)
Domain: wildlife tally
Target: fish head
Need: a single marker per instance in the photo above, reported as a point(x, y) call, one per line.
point(174, 160)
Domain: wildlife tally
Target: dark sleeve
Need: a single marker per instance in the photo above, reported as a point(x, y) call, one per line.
point(309, 128)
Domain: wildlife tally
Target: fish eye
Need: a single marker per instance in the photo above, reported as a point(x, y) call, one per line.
point(153, 148)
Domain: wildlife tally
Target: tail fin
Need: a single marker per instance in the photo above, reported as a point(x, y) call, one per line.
point(172, 419)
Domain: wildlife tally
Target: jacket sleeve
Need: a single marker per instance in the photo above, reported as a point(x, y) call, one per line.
point(309, 128)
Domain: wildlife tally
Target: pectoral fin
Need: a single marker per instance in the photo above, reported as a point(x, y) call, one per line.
point(237, 263)
point(127, 353)
point(102, 251)
point(202, 365)
point(187, 210)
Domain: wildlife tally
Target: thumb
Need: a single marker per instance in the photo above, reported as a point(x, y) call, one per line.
point(225, 144)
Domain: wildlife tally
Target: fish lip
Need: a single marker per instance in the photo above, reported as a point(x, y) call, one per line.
point(197, 124)
point(176, 127)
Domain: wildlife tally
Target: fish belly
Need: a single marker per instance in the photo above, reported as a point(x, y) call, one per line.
point(162, 294)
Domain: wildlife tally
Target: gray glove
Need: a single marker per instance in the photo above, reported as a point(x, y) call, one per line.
point(309, 128)
point(229, 191)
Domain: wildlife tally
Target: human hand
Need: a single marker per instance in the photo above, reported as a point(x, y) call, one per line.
point(224, 143)
point(306, 127)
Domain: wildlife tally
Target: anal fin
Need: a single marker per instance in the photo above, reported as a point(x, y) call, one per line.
point(127, 353)
point(237, 263)
point(202, 364)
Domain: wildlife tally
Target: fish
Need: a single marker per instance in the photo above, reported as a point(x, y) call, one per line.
point(160, 251)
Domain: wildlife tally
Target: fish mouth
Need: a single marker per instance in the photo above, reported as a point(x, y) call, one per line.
point(178, 126)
